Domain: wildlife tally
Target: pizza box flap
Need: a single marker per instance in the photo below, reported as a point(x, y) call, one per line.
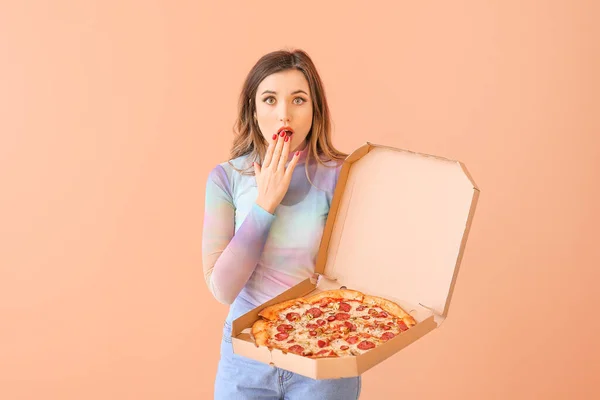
point(398, 226)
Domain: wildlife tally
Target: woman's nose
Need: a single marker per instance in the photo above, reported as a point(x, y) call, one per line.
point(284, 114)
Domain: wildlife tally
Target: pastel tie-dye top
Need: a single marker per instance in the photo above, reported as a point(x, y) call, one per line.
point(253, 255)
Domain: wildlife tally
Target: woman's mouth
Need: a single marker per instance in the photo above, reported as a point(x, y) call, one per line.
point(286, 130)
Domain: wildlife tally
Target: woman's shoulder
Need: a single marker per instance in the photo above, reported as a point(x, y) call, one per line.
point(327, 174)
point(242, 162)
point(233, 165)
point(229, 173)
point(332, 165)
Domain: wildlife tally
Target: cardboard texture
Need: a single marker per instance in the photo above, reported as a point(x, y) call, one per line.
point(397, 228)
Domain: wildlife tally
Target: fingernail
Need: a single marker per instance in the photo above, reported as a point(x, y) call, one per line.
point(297, 153)
point(282, 133)
point(274, 136)
point(286, 139)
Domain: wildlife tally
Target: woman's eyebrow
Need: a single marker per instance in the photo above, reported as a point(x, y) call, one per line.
point(297, 91)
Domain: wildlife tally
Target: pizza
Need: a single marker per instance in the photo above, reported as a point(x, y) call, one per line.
point(333, 323)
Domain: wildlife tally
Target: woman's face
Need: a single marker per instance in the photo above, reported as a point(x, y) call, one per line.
point(283, 99)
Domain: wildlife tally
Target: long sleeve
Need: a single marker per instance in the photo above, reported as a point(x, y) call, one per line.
point(229, 258)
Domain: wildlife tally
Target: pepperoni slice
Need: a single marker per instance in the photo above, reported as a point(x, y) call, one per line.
point(332, 354)
point(297, 349)
point(366, 317)
point(387, 336)
point(390, 323)
point(321, 352)
point(324, 302)
point(366, 345)
point(331, 318)
point(382, 314)
point(402, 326)
point(291, 341)
point(386, 327)
point(350, 326)
point(345, 307)
point(315, 312)
point(373, 311)
point(282, 336)
point(321, 343)
point(342, 316)
point(292, 316)
point(312, 326)
point(284, 328)
point(352, 339)
point(360, 308)
point(312, 333)
point(344, 347)
point(321, 322)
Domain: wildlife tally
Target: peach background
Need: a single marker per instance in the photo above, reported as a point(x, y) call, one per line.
point(112, 114)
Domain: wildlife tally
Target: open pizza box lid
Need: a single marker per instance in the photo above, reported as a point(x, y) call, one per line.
point(397, 229)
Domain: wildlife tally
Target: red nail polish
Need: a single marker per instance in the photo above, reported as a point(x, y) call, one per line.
point(286, 139)
point(297, 153)
point(274, 136)
point(282, 133)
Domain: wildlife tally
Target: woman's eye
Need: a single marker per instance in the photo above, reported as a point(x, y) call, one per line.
point(268, 100)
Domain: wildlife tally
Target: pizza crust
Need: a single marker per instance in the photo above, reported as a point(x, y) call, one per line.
point(260, 332)
point(345, 294)
point(409, 320)
point(271, 313)
point(262, 338)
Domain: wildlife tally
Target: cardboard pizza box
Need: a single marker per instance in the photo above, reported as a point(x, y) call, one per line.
point(397, 228)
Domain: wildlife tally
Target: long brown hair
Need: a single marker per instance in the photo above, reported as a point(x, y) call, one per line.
point(248, 138)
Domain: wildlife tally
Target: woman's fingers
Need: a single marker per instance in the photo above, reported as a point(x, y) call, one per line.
point(256, 169)
point(285, 153)
point(277, 152)
point(270, 149)
point(290, 168)
point(273, 180)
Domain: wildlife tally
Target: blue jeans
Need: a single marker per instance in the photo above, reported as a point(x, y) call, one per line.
point(240, 378)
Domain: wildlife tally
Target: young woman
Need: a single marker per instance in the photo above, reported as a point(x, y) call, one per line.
point(265, 212)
